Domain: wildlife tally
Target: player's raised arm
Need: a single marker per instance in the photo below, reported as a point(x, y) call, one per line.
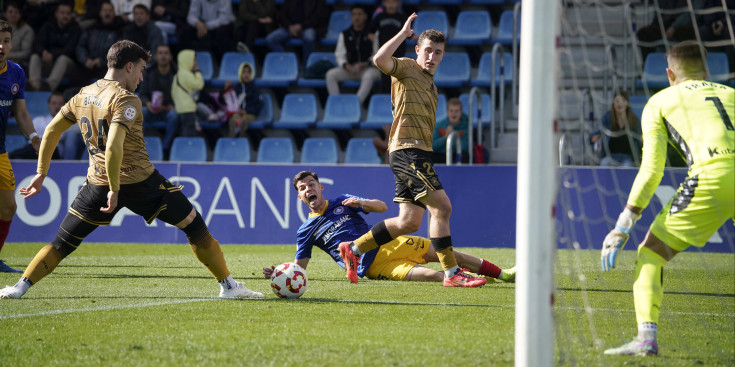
point(370, 205)
point(52, 135)
point(383, 59)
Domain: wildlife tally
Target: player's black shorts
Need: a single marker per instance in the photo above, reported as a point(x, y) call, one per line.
point(414, 172)
point(155, 197)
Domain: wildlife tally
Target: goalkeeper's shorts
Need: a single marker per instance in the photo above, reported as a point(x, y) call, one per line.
point(702, 204)
point(396, 258)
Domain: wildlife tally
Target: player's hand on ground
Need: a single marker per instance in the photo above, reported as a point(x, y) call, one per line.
point(267, 272)
point(613, 243)
point(352, 202)
point(408, 26)
point(34, 188)
point(111, 202)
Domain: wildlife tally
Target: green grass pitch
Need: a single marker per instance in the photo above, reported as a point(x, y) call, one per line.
point(155, 305)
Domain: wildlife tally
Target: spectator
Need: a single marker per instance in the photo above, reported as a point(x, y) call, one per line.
point(455, 121)
point(142, 31)
point(96, 41)
point(170, 16)
point(53, 50)
point(187, 84)
point(354, 56)
point(87, 12)
point(211, 26)
point(70, 146)
point(23, 35)
point(622, 132)
point(677, 27)
point(714, 27)
point(255, 18)
point(383, 27)
point(124, 8)
point(305, 19)
point(247, 98)
point(155, 94)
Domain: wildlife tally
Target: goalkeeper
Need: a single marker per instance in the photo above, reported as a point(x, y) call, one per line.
point(332, 222)
point(697, 115)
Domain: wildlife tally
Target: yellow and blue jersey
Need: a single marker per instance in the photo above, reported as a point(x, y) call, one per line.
point(12, 86)
point(337, 223)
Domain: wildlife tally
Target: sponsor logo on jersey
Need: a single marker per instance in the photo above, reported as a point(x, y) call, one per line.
point(335, 226)
point(6, 103)
point(339, 210)
point(129, 113)
point(15, 88)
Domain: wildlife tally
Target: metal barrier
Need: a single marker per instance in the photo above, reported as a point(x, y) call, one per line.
point(497, 48)
point(452, 141)
point(474, 94)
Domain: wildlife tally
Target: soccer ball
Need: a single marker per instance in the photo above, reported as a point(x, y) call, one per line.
point(288, 280)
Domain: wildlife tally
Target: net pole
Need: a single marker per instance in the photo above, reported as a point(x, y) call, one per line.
point(534, 337)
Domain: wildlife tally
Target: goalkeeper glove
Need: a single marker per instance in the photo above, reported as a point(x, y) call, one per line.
point(616, 239)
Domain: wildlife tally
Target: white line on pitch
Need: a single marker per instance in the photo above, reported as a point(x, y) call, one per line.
point(105, 308)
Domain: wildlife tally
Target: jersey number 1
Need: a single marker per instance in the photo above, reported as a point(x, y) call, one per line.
point(102, 129)
point(721, 109)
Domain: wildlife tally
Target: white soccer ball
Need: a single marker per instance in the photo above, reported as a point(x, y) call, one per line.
point(288, 280)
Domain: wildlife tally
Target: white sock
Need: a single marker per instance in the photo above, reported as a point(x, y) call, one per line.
point(227, 283)
point(355, 250)
point(647, 331)
point(451, 272)
point(23, 284)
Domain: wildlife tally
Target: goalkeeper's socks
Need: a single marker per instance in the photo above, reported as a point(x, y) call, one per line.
point(489, 269)
point(227, 283)
point(647, 331)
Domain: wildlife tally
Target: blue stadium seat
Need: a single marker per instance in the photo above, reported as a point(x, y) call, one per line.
point(654, 71)
point(637, 103)
point(299, 111)
point(342, 111)
point(280, 69)
point(265, 117)
point(319, 150)
point(485, 99)
point(314, 57)
point(206, 65)
point(505, 28)
point(719, 67)
point(230, 65)
point(339, 20)
point(232, 150)
point(454, 70)
point(441, 108)
point(379, 113)
point(275, 150)
point(361, 151)
point(473, 27)
point(430, 19)
point(483, 70)
point(188, 149)
point(13, 142)
point(154, 147)
point(37, 103)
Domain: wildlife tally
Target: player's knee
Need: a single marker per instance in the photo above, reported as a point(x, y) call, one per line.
point(409, 224)
point(7, 210)
point(196, 230)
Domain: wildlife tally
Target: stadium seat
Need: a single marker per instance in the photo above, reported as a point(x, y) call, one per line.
point(275, 150)
point(188, 149)
point(719, 67)
point(206, 65)
point(342, 111)
point(454, 70)
point(299, 111)
point(280, 69)
point(13, 142)
point(379, 113)
point(485, 99)
point(361, 151)
point(505, 28)
point(472, 28)
point(315, 57)
point(339, 20)
point(154, 147)
point(483, 70)
point(265, 117)
point(637, 103)
point(230, 65)
point(654, 72)
point(441, 108)
point(430, 19)
point(232, 150)
point(37, 103)
point(319, 150)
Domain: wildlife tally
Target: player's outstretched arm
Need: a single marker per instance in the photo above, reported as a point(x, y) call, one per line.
point(52, 136)
point(370, 206)
point(383, 59)
point(617, 238)
point(34, 188)
point(268, 271)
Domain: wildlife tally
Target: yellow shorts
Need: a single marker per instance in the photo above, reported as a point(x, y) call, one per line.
point(7, 179)
point(703, 203)
point(396, 258)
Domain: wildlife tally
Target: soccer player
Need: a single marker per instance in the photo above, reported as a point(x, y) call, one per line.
point(414, 98)
point(12, 95)
point(119, 175)
point(698, 116)
point(334, 221)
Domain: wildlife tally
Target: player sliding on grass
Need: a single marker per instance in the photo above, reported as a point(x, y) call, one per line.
point(119, 175)
point(414, 98)
point(334, 221)
point(698, 115)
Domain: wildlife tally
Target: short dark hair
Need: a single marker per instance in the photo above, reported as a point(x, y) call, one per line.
point(302, 175)
point(141, 6)
point(432, 35)
point(358, 6)
point(55, 93)
point(123, 52)
point(6, 27)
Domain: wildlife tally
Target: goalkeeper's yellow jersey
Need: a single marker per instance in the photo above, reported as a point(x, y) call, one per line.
point(697, 117)
point(94, 108)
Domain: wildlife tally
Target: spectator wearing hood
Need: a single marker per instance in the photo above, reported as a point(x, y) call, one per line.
point(247, 100)
point(185, 88)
